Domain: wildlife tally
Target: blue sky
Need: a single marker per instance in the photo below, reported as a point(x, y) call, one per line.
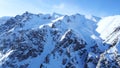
point(87, 7)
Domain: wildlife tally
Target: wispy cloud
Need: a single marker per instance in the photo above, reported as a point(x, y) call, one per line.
point(59, 6)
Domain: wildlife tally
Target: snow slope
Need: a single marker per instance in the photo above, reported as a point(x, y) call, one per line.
point(3, 20)
point(109, 30)
point(107, 26)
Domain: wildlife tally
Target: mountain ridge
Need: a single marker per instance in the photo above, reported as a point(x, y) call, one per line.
point(46, 41)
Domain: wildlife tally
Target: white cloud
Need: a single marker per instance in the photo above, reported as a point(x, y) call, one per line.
point(60, 6)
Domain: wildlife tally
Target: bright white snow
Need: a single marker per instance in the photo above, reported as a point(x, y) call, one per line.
point(107, 25)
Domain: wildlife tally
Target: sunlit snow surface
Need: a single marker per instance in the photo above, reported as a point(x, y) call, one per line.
point(4, 56)
point(107, 25)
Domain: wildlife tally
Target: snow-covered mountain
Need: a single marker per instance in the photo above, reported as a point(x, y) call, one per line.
point(58, 41)
point(3, 19)
point(109, 29)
